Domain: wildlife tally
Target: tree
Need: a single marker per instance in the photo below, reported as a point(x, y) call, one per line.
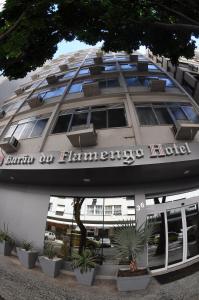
point(31, 29)
point(78, 201)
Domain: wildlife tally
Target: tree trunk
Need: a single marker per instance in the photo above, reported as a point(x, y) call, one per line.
point(78, 201)
point(133, 265)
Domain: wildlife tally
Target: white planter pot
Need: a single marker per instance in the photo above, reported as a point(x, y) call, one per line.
point(132, 283)
point(50, 267)
point(27, 258)
point(85, 278)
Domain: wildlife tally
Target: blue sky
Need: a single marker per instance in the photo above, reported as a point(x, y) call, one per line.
point(66, 47)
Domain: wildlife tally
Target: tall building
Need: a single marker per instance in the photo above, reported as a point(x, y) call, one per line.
point(115, 130)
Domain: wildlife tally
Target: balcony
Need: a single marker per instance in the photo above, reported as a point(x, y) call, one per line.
point(82, 136)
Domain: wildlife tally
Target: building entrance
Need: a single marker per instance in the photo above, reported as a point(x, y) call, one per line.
point(176, 233)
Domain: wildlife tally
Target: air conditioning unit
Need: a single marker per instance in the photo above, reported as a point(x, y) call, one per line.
point(10, 145)
point(19, 91)
point(142, 66)
point(185, 130)
point(157, 85)
point(82, 136)
point(35, 101)
point(91, 89)
point(63, 67)
point(52, 79)
point(133, 58)
point(71, 59)
point(2, 113)
point(98, 60)
point(96, 70)
point(35, 76)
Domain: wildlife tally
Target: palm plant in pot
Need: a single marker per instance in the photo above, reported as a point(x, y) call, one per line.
point(27, 255)
point(84, 266)
point(130, 242)
point(6, 242)
point(49, 262)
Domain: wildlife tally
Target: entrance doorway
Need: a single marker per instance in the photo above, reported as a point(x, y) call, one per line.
point(176, 233)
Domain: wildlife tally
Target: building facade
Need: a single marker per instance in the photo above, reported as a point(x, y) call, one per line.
point(116, 130)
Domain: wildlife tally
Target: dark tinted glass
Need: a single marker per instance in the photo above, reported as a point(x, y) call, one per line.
point(39, 127)
point(191, 113)
point(146, 116)
point(116, 117)
point(163, 115)
point(79, 119)
point(98, 118)
point(62, 124)
point(178, 113)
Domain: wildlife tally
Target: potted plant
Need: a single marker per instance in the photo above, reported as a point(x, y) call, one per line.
point(130, 242)
point(50, 263)
point(27, 255)
point(84, 267)
point(6, 242)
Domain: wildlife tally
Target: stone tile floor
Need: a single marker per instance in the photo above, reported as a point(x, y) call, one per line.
point(18, 283)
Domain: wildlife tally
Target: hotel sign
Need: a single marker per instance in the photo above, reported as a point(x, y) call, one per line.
point(129, 156)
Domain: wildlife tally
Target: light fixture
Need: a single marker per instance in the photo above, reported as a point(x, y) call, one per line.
point(186, 172)
point(86, 180)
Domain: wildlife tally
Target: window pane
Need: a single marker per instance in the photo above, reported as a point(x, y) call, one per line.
point(116, 118)
point(84, 71)
point(163, 115)
point(54, 93)
point(75, 88)
point(110, 68)
point(191, 113)
point(69, 74)
point(10, 131)
point(79, 119)
point(152, 68)
point(18, 131)
point(146, 116)
point(112, 83)
point(39, 127)
point(133, 81)
point(62, 124)
point(27, 130)
point(98, 118)
point(178, 113)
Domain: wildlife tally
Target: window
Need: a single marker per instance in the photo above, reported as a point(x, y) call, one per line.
point(69, 74)
point(76, 87)
point(84, 71)
point(117, 210)
point(59, 213)
point(121, 57)
point(107, 116)
point(99, 210)
point(165, 113)
point(88, 61)
point(153, 68)
point(109, 68)
point(90, 210)
point(28, 128)
point(108, 210)
point(130, 67)
point(145, 80)
point(52, 93)
point(108, 83)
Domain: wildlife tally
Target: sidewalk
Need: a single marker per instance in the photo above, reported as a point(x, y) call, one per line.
point(18, 283)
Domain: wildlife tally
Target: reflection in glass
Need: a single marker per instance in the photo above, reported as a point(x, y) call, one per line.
point(157, 246)
point(98, 218)
point(175, 236)
point(192, 220)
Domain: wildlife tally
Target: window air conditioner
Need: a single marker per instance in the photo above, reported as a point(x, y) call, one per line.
point(82, 136)
point(157, 85)
point(98, 60)
point(52, 79)
point(185, 130)
point(2, 113)
point(96, 70)
point(91, 89)
point(35, 101)
point(142, 66)
point(63, 67)
point(35, 76)
point(133, 58)
point(71, 59)
point(10, 145)
point(19, 91)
